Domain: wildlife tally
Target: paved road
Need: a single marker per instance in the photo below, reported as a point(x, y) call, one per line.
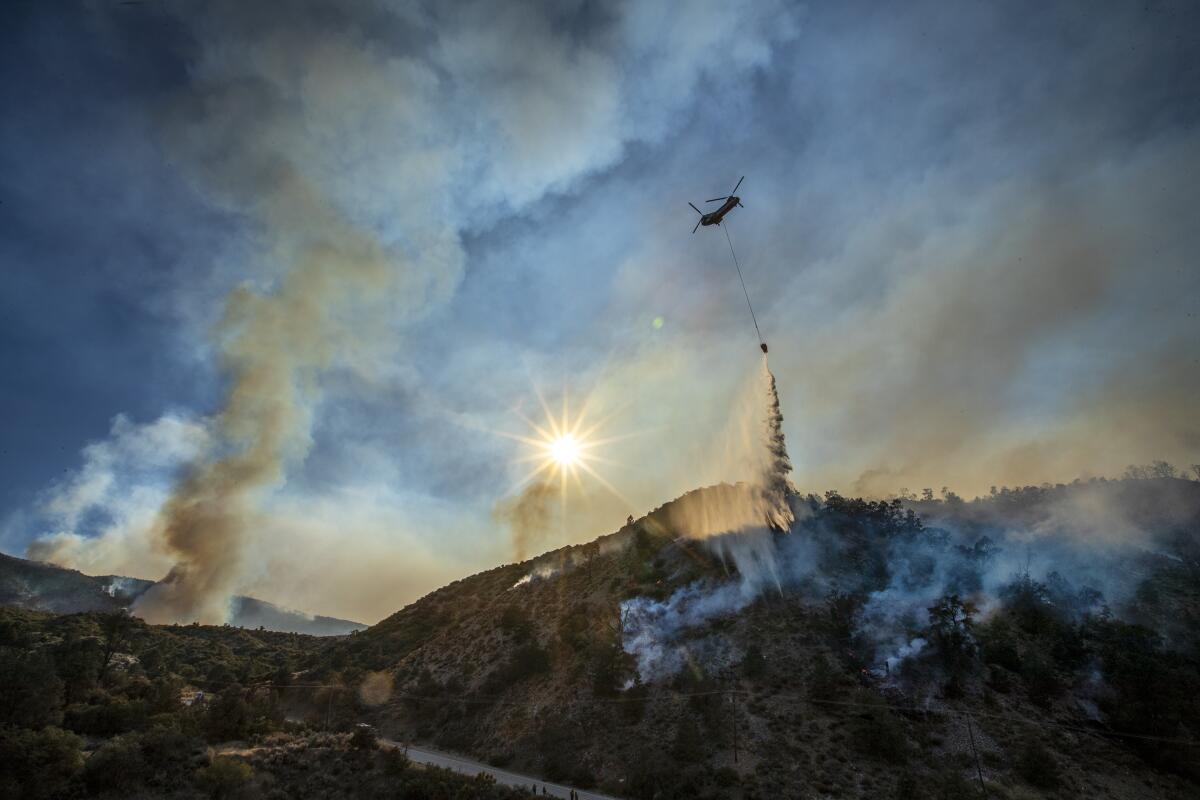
point(423, 755)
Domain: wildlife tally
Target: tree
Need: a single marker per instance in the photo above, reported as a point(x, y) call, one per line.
point(1162, 469)
point(77, 662)
point(117, 767)
point(115, 627)
point(950, 621)
point(38, 764)
point(223, 777)
point(228, 716)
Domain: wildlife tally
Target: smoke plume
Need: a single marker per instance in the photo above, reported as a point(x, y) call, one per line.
point(274, 346)
point(527, 516)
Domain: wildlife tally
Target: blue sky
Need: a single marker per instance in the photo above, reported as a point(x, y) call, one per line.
point(969, 233)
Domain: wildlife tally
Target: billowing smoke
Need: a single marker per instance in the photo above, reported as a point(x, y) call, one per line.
point(354, 144)
point(275, 347)
point(528, 517)
point(878, 568)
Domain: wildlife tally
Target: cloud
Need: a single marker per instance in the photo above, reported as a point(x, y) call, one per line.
point(100, 519)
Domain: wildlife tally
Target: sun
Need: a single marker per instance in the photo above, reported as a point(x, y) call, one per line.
point(563, 447)
point(565, 450)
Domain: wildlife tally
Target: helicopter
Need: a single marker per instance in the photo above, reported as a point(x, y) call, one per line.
point(715, 217)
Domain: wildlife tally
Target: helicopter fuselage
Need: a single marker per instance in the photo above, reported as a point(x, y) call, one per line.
point(715, 217)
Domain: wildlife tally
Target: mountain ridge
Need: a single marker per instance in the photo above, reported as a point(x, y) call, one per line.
point(38, 586)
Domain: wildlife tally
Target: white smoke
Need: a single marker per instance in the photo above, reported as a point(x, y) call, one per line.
point(738, 523)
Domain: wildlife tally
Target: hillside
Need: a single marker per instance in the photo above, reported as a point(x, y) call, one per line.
point(1044, 640)
point(1039, 642)
point(44, 587)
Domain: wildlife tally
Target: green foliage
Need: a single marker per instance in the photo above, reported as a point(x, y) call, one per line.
point(224, 777)
point(1037, 766)
point(878, 732)
point(998, 643)
point(726, 777)
point(574, 629)
point(229, 716)
point(30, 691)
point(77, 662)
point(843, 611)
point(950, 632)
point(753, 663)
point(112, 716)
point(363, 738)
point(1041, 678)
point(118, 766)
point(826, 681)
point(526, 661)
point(688, 747)
point(38, 764)
point(516, 623)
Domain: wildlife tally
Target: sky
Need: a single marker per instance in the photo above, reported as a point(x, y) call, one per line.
point(278, 282)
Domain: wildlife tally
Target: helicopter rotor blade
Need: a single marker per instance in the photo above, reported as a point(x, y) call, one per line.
point(715, 199)
point(698, 211)
point(697, 227)
point(740, 203)
point(739, 183)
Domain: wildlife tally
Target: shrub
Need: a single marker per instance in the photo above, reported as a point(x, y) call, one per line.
point(118, 766)
point(105, 719)
point(38, 764)
point(223, 777)
point(688, 747)
point(1041, 680)
point(880, 734)
point(516, 623)
point(753, 664)
point(30, 692)
point(363, 738)
point(726, 777)
point(1037, 766)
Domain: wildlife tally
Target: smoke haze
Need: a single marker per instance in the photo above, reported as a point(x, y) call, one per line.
point(321, 251)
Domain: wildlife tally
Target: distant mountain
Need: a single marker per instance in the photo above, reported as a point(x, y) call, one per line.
point(45, 587)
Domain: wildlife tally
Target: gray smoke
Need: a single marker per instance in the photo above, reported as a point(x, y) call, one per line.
point(528, 517)
point(1090, 546)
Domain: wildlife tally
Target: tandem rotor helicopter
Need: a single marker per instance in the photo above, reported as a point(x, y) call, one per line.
point(714, 218)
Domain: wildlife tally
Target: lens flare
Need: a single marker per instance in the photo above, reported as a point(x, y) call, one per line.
point(563, 446)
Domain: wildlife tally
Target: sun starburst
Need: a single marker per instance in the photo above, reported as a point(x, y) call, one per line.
point(564, 447)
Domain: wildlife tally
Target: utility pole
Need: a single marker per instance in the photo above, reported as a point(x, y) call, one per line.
point(978, 769)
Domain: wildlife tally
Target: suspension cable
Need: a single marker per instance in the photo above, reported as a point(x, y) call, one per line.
point(725, 227)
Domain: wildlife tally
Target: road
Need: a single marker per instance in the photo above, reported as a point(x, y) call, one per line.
point(424, 755)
